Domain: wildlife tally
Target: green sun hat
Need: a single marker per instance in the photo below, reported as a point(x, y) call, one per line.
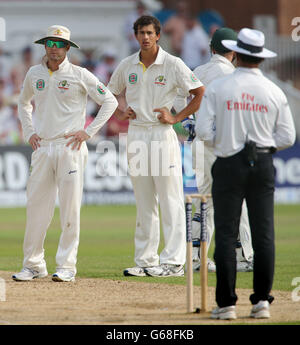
point(222, 34)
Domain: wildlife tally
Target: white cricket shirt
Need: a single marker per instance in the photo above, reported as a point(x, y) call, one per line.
point(243, 106)
point(60, 101)
point(152, 87)
point(217, 67)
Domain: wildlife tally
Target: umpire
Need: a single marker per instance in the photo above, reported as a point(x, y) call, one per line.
point(246, 118)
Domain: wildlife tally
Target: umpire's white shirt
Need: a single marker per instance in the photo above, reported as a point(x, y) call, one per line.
point(60, 100)
point(154, 87)
point(244, 106)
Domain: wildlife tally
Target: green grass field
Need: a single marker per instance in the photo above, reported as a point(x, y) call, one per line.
point(106, 245)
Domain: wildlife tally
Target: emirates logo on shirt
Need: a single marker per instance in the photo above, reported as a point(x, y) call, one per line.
point(247, 102)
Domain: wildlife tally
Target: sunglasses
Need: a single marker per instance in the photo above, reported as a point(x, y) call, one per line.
point(58, 44)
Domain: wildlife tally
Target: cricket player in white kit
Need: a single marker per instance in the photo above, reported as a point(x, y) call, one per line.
point(57, 135)
point(151, 78)
point(219, 66)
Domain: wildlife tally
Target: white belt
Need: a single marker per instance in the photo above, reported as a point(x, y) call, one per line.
point(148, 124)
point(56, 141)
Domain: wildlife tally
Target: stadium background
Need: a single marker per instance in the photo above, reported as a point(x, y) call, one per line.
point(100, 28)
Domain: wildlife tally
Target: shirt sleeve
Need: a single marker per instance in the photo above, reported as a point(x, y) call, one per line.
point(185, 78)
point(285, 132)
point(102, 96)
point(117, 82)
point(180, 101)
point(205, 127)
point(25, 107)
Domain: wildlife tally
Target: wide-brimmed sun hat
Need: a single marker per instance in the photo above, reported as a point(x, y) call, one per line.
point(58, 32)
point(249, 42)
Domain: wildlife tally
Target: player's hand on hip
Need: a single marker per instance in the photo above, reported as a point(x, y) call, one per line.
point(165, 116)
point(129, 114)
point(34, 141)
point(77, 138)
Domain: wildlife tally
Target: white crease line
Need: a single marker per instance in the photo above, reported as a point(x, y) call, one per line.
point(4, 322)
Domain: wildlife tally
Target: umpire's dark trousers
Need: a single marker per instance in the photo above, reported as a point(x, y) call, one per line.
point(233, 180)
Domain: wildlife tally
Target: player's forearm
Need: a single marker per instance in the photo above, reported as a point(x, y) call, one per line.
point(25, 107)
point(192, 107)
point(25, 115)
point(104, 114)
point(119, 113)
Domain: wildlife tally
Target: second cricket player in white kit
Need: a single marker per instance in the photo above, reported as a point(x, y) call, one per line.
point(150, 93)
point(57, 162)
point(217, 67)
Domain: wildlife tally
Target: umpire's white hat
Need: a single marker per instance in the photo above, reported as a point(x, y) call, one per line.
point(249, 42)
point(58, 31)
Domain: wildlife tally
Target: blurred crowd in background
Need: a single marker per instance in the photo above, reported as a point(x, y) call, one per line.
point(183, 34)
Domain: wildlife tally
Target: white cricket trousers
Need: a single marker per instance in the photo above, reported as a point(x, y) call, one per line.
point(204, 184)
point(54, 167)
point(154, 160)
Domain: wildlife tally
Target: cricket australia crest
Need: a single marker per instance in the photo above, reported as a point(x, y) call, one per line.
point(63, 85)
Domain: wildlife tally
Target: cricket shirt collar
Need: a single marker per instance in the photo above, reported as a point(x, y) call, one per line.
point(222, 59)
point(160, 58)
point(61, 67)
point(255, 71)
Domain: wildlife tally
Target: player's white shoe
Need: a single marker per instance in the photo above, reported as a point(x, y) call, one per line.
point(211, 266)
point(63, 276)
point(165, 270)
point(244, 266)
point(226, 313)
point(196, 265)
point(196, 259)
point(261, 310)
point(135, 272)
point(27, 274)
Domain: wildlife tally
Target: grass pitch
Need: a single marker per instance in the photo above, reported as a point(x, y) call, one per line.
point(107, 246)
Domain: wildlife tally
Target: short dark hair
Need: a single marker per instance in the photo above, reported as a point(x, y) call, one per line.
point(147, 20)
point(249, 58)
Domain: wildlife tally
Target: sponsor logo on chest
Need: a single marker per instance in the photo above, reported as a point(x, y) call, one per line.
point(160, 80)
point(63, 85)
point(132, 78)
point(40, 84)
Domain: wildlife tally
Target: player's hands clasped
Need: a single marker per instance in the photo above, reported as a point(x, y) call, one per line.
point(77, 139)
point(34, 141)
point(165, 116)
